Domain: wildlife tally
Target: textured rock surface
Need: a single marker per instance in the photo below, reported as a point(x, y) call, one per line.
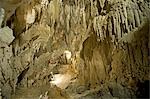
point(6, 68)
point(2, 13)
point(6, 35)
point(108, 39)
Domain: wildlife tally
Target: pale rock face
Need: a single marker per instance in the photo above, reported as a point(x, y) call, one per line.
point(45, 96)
point(2, 14)
point(6, 35)
point(0, 93)
point(44, 3)
point(67, 54)
point(61, 80)
point(30, 17)
point(40, 97)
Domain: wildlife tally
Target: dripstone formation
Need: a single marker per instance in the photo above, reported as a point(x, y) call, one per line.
point(74, 49)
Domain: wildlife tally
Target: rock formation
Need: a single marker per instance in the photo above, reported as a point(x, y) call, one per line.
point(91, 48)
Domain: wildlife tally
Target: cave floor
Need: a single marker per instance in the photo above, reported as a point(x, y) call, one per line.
point(53, 93)
point(35, 92)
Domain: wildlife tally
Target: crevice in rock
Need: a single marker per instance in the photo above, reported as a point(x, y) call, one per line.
point(143, 89)
point(21, 76)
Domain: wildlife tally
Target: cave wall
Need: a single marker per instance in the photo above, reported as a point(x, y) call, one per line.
point(108, 39)
point(106, 61)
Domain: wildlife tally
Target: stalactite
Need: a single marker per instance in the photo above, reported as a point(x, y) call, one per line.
point(99, 28)
point(137, 19)
point(110, 29)
point(118, 27)
point(94, 24)
point(102, 2)
point(128, 18)
point(141, 17)
point(131, 14)
point(115, 24)
point(84, 18)
point(126, 21)
point(100, 18)
point(67, 8)
point(91, 1)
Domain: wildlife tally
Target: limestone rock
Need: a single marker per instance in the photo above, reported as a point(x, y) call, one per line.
point(30, 17)
point(2, 14)
point(6, 91)
point(119, 91)
point(6, 35)
point(108, 41)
